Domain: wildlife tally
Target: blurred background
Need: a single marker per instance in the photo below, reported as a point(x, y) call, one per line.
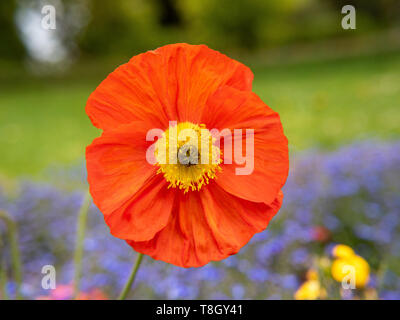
point(338, 94)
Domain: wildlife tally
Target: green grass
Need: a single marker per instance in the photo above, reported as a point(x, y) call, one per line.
point(323, 104)
point(43, 125)
point(326, 104)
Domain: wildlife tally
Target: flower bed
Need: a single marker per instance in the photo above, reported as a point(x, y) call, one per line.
point(350, 196)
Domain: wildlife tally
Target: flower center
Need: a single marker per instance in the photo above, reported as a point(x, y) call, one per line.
point(186, 156)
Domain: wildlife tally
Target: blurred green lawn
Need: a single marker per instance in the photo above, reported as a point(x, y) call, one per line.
point(322, 104)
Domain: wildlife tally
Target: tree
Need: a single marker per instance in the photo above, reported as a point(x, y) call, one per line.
point(12, 47)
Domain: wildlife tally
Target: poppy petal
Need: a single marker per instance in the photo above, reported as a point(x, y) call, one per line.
point(197, 72)
point(207, 226)
point(233, 220)
point(127, 95)
point(117, 166)
point(170, 83)
point(232, 109)
point(150, 207)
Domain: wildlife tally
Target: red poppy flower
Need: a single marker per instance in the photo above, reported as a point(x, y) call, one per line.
point(184, 214)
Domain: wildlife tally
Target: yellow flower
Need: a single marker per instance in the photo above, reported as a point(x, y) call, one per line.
point(310, 289)
point(342, 251)
point(348, 264)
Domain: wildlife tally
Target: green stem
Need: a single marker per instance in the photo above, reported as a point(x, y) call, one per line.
point(132, 277)
point(12, 231)
point(80, 237)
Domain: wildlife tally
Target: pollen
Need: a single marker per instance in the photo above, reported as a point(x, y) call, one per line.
point(187, 156)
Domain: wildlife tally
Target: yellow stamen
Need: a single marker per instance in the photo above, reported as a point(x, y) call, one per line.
point(187, 157)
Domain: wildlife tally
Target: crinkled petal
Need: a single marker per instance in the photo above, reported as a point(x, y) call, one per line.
point(145, 214)
point(206, 226)
point(232, 109)
point(117, 166)
point(171, 83)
